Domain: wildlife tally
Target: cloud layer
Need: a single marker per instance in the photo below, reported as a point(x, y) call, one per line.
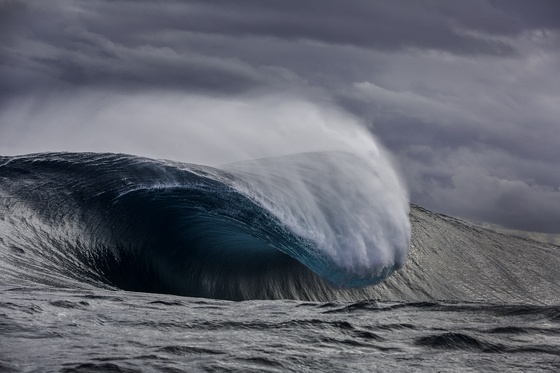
point(465, 94)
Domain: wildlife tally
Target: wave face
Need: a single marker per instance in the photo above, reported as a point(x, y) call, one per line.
point(307, 226)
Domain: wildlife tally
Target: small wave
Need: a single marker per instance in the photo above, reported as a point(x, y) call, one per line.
point(458, 341)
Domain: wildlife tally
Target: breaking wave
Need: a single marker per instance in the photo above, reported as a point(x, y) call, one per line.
point(298, 226)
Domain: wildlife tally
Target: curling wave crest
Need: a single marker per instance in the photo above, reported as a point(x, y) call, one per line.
point(286, 227)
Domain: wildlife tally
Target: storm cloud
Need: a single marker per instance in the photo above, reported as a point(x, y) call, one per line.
point(466, 95)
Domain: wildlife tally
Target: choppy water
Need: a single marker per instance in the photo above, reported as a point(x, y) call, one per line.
point(46, 330)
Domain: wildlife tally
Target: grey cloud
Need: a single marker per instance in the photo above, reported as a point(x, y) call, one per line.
point(153, 67)
point(384, 25)
point(10, 11)
point(540, 14)
point(105, 42)
point(465, 183)
point(59, 51)
point(464, 93)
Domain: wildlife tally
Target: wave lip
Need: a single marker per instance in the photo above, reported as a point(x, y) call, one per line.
point(352, 215)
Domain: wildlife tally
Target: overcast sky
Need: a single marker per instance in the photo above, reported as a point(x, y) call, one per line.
point(465, 94)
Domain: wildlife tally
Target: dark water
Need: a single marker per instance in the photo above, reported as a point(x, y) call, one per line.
point(118, 331)
point(89, 244)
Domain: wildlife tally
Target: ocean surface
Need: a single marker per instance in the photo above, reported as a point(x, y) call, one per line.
point(117, 263)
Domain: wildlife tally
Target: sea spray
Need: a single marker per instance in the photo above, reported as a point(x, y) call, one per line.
point(349, 208)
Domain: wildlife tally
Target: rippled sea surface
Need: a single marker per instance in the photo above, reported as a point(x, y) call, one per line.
point(54, 330)
point(88, 242)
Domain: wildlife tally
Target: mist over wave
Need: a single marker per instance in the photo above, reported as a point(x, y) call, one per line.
point(188, 128)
